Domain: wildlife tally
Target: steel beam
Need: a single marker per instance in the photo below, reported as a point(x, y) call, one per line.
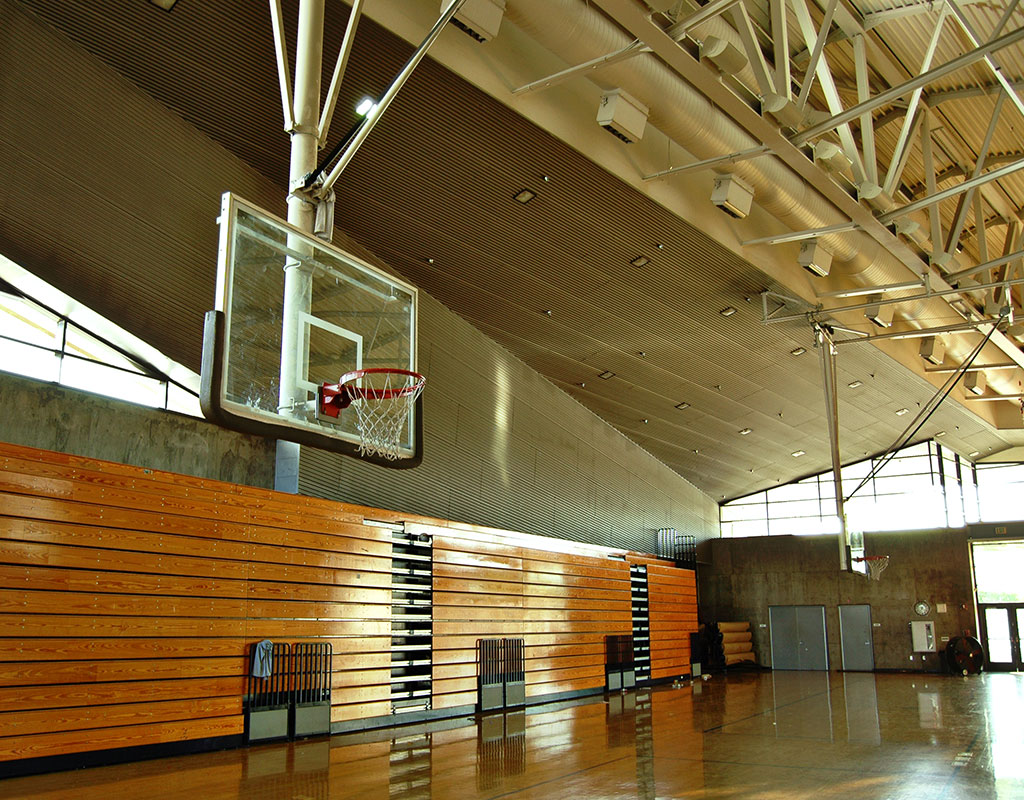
point(797, 236)
point(731, 158)
point(780, 47)
point(953, 191)
point(284, 78)
point(934, 217)
point(828, 87)
point(867, 125)
point(631, 50)
point(965, 199)
point(382, 105)
point(899, 157)
point(681, 28)
point(889, 95)
point(816, 54)
point(745, 28)
point(990, 60)
point(354, 16)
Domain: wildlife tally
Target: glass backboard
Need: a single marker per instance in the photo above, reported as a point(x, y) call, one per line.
point(264, 357)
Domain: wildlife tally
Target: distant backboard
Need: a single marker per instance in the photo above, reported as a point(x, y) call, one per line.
point(855, 552)
point(349, 315)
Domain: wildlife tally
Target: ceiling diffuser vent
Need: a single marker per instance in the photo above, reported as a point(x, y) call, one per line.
point(479, 18)
point(622, 115)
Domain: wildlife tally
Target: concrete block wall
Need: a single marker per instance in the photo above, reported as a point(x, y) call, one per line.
point(53, 417)
point(748, 575)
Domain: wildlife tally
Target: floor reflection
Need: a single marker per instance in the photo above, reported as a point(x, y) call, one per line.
point(748, 735)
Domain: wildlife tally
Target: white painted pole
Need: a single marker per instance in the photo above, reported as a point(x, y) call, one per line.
point(301, 214)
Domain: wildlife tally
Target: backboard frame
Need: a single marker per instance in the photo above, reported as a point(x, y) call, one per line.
point(228, 412)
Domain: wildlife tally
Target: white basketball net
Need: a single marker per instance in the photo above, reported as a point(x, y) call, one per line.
point(876, 566)
point(382, 420)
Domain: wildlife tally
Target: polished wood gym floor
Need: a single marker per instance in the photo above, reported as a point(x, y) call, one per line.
point(856, 736)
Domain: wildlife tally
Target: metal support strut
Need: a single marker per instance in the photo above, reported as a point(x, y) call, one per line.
point(826, 347)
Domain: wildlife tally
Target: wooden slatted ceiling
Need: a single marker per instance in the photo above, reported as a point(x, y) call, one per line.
point(119, 583)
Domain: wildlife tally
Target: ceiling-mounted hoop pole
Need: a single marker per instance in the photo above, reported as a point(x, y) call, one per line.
point(382, 105)
point(298, 283)
point(823, 339)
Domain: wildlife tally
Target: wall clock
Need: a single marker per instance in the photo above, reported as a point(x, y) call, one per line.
point(922, 607)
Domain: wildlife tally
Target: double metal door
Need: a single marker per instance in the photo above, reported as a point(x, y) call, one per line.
point(798, 637)
point(1001, 626)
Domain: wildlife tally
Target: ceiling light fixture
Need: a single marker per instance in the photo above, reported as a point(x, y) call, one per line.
point(644, 421)
point(901, 411)
point(798, 453)
point(682, 406)
point(728, 311)
point(939, 433)
point(660, 246)
point(798, 351)
point(430, 261)
point(546, 178)
point(974, 454)
point(548, 312)
point(606, 375)
point(524, 196)
point(366, 106)
point(642, 354)
point(640, 261)
point(745, 431)
point(166, 5)
point(855, 384)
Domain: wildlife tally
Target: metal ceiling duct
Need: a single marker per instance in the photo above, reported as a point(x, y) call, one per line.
point(686, 116)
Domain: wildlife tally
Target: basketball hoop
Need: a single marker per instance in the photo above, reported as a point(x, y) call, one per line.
point(876, 565)
point(382, 399)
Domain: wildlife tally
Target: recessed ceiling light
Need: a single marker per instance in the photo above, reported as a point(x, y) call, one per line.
point(798, 351)
point(660, 246)
point(901, 411)
point(430, 261)
point(644, 421)
point(745, 431)
point(728, 311)
point(798, 453)
point(640, 261)
point(548, 312)
point(606, 375)
point(682, 406)
point(366, 105)
point(642, 354)
point(855, 384)
point(582, 384)
point(546, 178)
point(524, 196)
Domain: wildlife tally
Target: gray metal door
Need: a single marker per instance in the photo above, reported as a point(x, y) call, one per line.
point(810, 623)
point(855, 636)
point(784, 637)
point(798, 637)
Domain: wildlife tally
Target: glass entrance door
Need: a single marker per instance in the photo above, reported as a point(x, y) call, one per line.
point(1001, 627)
